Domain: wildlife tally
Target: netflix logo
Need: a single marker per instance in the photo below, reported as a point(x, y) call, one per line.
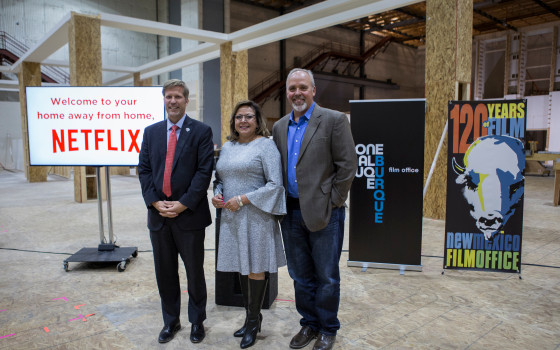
point(86, 139)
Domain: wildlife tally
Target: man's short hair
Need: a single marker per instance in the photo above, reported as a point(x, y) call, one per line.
point(310, 73)
point(176, 82)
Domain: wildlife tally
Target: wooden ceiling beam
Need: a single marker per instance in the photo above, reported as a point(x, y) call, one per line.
point(547, 7)
point(410, 13)
point(503, 23)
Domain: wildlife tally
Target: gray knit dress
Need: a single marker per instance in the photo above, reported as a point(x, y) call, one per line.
point(250, 239)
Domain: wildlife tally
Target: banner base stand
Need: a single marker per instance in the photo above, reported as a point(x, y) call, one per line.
point(401, 267)
point(518, 272)
point(120, 255)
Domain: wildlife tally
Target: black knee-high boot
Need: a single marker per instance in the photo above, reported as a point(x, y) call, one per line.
point(254, 318)
point(244, 282)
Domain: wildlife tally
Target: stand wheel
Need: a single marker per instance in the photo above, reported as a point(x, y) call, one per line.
point(121, 266)
point(65, 266)
point(135, 254)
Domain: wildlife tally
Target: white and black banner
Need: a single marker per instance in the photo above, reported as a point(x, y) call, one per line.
point(386, 195)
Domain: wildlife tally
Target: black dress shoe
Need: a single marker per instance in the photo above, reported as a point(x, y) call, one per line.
point(304, 337)
point(324, 342)
point(197, 333)
point(168, 332)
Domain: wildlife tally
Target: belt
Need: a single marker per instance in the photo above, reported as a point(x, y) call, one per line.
point(292, 202)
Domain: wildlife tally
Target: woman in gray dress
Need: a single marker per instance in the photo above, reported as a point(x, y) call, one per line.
point(249, 190)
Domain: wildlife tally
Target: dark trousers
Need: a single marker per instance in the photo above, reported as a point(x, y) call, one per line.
point(168, 243)
point(313, 259)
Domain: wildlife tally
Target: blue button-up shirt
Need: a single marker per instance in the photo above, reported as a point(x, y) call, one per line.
point(295, 136)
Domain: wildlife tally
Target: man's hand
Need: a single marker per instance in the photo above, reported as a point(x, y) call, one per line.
point(169, 209)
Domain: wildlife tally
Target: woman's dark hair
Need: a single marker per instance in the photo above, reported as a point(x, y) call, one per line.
point(261, 121)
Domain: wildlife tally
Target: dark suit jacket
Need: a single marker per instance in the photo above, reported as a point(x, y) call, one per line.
point(190, 177)
point(326, 165)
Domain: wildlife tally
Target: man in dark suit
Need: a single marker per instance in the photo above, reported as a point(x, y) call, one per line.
point(175, 168)
point(319, 162)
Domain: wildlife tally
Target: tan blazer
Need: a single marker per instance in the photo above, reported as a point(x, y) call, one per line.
point(326, 165)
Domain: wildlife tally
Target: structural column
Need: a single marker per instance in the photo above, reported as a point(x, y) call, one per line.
point(234, 83)
point(507, 64)
point(84, 44)
point(448, 76)
point(556, 199)
point(553, 59)
point(141, 82)
point(29, 75)
point(521, 63)
point(240, 83)
point(226, 92)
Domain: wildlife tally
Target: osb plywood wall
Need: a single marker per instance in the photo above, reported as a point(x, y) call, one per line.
point(240, 84)
point(141, 82)
point(448, 61)
point(85, 50)
point(226, 73)
point(235, 70)
point(84, 44)
point(30, 75)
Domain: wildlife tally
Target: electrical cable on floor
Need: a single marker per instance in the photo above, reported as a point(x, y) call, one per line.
point(35, 251)
point(211, 249)
point(539, 265)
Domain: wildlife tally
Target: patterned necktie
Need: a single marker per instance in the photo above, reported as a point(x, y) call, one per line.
point(169, 160)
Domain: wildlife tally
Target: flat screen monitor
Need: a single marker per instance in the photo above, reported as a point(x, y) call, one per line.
point(90, 126)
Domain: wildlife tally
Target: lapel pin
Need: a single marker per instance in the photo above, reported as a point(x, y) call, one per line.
point(188, 129)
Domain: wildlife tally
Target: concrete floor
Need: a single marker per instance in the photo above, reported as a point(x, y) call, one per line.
point(95, 307)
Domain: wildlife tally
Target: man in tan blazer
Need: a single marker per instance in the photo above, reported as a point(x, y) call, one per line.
point(319, 163)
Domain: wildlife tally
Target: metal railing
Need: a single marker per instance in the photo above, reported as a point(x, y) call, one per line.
point(273, 78)
point(11, 50)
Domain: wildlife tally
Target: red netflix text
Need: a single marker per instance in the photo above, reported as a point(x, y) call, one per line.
point(95, 139)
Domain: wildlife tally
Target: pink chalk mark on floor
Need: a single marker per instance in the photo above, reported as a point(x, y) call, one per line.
point(80, 316)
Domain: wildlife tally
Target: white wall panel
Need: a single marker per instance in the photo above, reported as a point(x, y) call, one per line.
point(537, 112)
point(554, 137)
point(11, 144)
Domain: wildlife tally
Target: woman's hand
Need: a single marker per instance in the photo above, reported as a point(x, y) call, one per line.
point(218, 201)
point(232, 204)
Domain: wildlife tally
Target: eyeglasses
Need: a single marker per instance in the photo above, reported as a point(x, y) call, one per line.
point(247, 117)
